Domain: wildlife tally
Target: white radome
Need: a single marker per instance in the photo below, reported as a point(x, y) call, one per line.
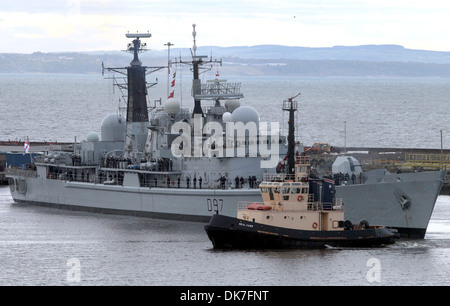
point(93, 136)
point(245, 114)
point(113, 128)
point(172, 107)
point(227, 117)
point(231, 105)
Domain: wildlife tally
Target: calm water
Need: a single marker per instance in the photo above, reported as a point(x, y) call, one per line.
point(379, 112)
point(36, 244)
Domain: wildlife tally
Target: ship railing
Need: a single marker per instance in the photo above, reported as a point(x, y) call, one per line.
point(336, 205)
point(278, 177)
point(303, 159)
point(20, 172)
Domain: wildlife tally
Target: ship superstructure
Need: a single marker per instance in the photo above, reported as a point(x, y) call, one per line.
point(158, 162)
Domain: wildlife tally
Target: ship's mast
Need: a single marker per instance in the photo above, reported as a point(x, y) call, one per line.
point(136, 85)
point(196, 85)
point(194, 34)
point(197, 62)
point(290, 106)
point(135, 82)
point(169, 44)
point(137, 89)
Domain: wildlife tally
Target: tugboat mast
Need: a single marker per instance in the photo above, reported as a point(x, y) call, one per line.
point(291, 106)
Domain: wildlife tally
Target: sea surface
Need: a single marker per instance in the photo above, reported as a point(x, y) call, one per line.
point(47, 246)
point(358, 112)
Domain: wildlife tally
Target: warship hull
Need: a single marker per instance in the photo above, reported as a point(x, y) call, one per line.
point(401, 201)
point(165, 203)
point(232, 233)
point(404, 202)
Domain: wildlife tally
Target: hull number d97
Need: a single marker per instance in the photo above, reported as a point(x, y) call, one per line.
point(215, 205)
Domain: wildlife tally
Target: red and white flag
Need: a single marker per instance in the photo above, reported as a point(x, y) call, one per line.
point(26, 146)
point(171, 95)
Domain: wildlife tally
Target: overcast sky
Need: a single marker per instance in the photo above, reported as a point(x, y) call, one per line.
point(28, 26)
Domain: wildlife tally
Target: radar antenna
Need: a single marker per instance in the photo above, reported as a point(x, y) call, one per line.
point(194, 34)
point(137, 47)
point(169, 44)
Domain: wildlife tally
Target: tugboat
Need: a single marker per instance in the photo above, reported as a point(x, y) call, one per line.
point(297, 211)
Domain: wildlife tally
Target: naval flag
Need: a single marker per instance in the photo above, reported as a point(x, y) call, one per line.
point(172, 85)
point(26, 146)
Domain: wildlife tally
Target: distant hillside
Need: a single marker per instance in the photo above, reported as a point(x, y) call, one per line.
point(370, 53)
point(370, 60)
point(335, 68)
point(57, 62)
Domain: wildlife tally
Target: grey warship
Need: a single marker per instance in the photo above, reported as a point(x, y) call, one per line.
point(143, 165)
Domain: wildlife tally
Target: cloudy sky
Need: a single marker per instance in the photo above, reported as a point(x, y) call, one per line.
point(28, 26)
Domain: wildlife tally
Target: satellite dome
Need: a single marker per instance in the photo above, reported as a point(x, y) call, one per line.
point(172, 107)
point(346, 164)
point(113, 128)
point(92, 136)
point(231, 105)
point(245, 114)
point(227, 117)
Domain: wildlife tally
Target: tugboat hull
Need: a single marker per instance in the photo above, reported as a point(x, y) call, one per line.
point(232, 233)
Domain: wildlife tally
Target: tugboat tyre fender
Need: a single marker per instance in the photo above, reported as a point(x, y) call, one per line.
point(348, 224)
point(363, 224)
